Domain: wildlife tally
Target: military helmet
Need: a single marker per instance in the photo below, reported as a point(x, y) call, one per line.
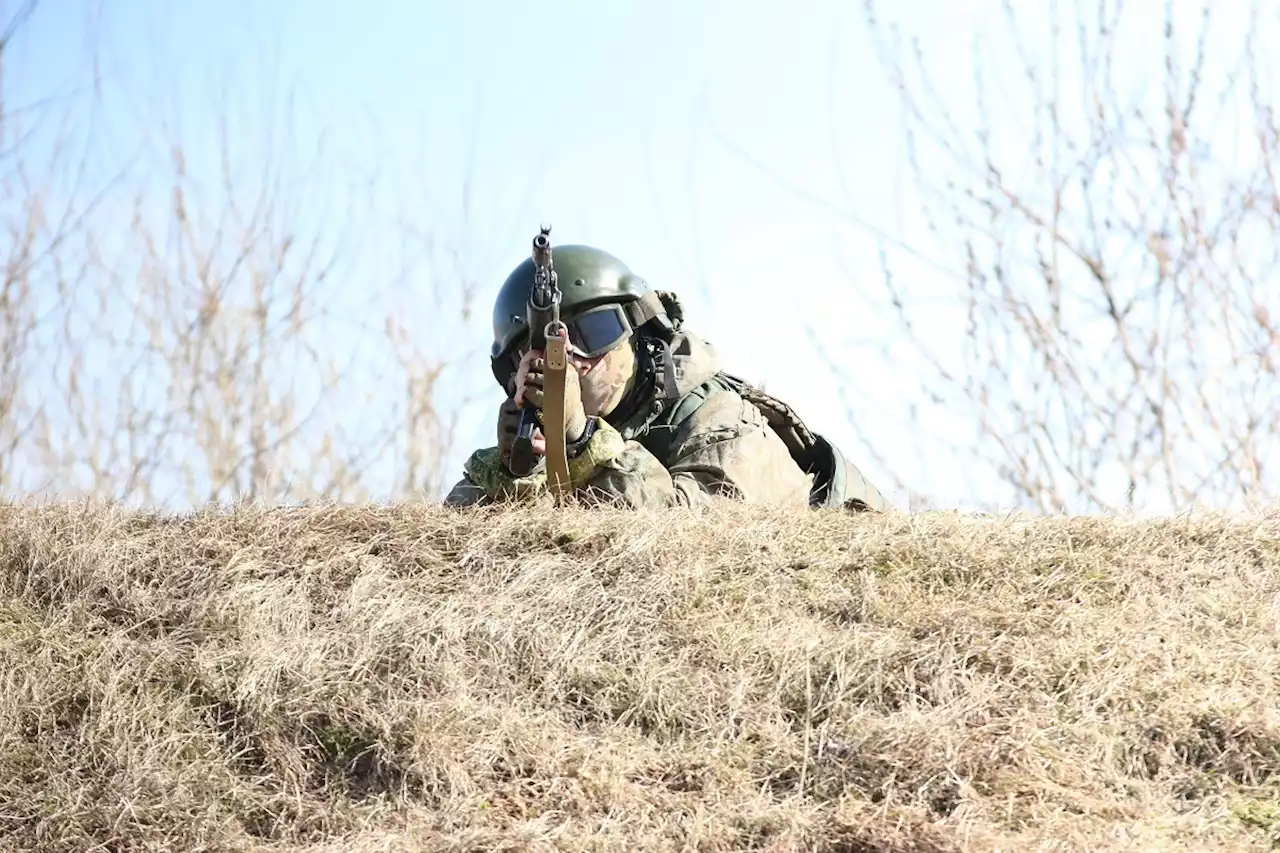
point(602, 302)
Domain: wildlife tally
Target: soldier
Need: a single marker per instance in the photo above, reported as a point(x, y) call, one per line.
point(650, 418)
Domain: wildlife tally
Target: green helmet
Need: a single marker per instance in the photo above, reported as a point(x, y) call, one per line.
point(602, 302)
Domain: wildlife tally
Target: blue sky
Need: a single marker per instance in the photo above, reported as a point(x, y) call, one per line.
point(624, 125)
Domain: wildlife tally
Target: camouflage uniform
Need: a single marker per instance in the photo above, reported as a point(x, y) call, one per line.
point(686, 433)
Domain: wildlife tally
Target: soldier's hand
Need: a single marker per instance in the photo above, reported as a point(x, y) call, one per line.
point(508, 423)
point(530, 381)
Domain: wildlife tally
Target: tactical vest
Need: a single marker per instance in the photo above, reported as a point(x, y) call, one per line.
point(837, 482)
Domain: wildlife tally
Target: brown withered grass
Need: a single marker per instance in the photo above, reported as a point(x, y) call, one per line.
point(417, 678)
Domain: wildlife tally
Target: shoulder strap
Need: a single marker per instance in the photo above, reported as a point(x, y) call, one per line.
point(784, 420)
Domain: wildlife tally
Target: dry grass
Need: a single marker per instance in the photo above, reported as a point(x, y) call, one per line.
point(416, 678)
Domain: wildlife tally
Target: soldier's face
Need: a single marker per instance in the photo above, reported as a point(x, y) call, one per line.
point(606, 379)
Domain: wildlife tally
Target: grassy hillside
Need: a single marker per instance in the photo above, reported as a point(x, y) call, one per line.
point(415, 678)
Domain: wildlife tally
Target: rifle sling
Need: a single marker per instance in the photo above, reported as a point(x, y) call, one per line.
point(553, 416)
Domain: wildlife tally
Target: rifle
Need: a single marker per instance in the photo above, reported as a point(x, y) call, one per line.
point(549, 334)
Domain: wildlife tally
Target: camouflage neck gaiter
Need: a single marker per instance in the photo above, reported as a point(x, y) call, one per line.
point(607, 382)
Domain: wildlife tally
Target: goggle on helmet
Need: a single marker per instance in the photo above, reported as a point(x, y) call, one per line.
point(592, 333)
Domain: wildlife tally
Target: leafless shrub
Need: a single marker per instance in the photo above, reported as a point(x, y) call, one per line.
point(213, 317)
point(1113, 246)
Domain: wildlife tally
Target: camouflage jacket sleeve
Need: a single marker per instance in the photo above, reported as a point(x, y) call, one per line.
point(466, 493)
point(725, 449)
